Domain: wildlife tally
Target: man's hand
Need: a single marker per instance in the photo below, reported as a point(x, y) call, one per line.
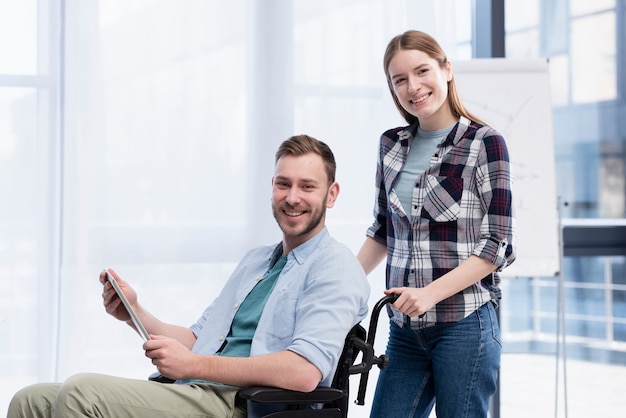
point(171, 358)
point(112, 302)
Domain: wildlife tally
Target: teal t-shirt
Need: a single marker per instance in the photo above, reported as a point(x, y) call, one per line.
point(244, 324)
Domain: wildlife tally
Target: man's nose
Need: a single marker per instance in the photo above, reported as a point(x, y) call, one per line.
point(293, 196)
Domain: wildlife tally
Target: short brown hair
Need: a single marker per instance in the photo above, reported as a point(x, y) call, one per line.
point(299, 145)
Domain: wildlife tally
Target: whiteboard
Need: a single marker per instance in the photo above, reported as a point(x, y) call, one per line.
point(513, 96)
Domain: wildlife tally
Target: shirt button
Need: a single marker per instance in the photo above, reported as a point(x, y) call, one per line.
point(221, 338)
point(236, 305)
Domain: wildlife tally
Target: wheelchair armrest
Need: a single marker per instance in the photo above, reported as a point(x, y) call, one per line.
point(264, 394)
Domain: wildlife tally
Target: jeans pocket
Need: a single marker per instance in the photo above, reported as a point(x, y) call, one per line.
point(493, 320)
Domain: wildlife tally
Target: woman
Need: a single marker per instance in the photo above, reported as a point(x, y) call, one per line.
point(443, 219)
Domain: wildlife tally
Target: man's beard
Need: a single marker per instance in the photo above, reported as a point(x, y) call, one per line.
point(316, 219)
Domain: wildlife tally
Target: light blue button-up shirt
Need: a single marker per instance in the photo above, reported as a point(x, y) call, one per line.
point(320, 295)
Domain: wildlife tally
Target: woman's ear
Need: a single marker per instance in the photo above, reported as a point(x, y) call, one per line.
point(449, 73)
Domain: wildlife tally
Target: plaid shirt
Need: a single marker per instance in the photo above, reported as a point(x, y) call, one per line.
point(461, 205)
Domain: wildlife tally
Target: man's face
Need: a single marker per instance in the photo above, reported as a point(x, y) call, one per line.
point(300, 197)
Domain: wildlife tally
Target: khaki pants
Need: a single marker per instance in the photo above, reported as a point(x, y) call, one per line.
point(95, 395)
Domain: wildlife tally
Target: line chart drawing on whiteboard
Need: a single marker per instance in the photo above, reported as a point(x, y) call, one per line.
point(513, 96)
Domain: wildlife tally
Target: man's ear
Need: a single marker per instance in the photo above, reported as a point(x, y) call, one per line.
point(333, 192)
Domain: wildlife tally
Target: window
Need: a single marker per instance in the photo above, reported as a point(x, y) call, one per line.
point(18, 20)
point(581, 41)
point(593, 58)
point(28, 186)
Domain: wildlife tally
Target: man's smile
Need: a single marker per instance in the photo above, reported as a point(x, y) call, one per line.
point(293, 214)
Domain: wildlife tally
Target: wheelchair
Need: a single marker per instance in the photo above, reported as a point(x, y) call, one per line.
point(334, 399)
point(357, 358)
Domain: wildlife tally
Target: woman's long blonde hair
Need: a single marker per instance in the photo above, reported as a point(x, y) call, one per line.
point(414, 39)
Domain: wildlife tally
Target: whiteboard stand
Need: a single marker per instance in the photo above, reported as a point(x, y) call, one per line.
point(561, 345)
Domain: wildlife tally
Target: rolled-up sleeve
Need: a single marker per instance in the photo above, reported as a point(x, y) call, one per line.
point(494, 184)
point(326, 311)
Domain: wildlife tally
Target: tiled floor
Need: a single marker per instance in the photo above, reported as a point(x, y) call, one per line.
point(528, 389)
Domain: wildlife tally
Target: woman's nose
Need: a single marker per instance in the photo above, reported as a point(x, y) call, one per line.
point(413, 84)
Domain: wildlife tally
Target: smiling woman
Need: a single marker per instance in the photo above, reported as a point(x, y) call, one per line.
point(443, 222)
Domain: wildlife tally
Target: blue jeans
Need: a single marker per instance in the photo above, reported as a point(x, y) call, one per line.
point(456, 365)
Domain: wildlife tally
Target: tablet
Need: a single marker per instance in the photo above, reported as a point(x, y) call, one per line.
point(140, 328)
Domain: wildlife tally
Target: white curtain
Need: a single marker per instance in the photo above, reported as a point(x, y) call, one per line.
point(160, 162)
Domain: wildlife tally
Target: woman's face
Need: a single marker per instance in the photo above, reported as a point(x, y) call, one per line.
point(421, 87)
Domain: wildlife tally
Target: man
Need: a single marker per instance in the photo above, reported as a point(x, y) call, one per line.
point(280, 320)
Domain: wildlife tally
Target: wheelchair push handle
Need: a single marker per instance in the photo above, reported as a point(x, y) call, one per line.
point(371, 333)
point(369, 358)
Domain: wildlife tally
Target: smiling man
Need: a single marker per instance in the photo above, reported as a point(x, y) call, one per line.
point(303, 187)
point(280, 320)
